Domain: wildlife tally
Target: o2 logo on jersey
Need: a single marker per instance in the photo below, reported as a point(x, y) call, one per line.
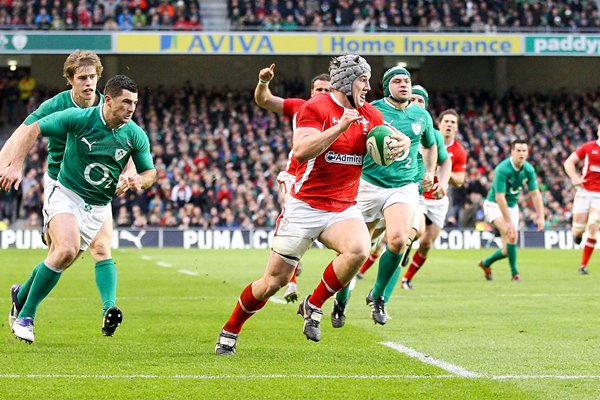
point(105, 174)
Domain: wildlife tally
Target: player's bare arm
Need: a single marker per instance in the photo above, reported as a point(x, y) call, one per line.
point(570, 166)
point(310, 142)
point(457, 179)
point(12, 173)
point(538, 206)
point(430, 161)
point(511, 229)
point(262, 94)
point(444, 173)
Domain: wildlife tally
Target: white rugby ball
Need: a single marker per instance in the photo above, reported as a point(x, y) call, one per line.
point(378, 144)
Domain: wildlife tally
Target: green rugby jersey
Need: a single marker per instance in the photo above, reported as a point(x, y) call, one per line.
point(95, 155)
point(415, 123)
point(509, 181)
point(56, 145)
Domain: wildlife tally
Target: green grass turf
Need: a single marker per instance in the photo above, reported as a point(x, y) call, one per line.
point(543, 332)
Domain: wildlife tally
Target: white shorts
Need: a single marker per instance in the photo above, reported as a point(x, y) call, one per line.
point(491, 212)
point(436, 210)
point(419, 212)
point(286, 181)
point(48, 182)
point(60, 200)
point(373, 199)
point(584, 200)
point(300, 225)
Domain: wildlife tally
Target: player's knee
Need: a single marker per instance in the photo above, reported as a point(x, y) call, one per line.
point(64, 255)
point(356, 257)
point(397, 243)
point(100, 250)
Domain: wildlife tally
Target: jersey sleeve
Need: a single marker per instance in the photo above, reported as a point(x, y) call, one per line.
point(46, 108)
point(60, 123)
point(459, 160)
point(499, 183)
point(442, 153)
point(532, 183)
point(581, 151)
point(291, 106)
point(309, 116)
point(428, 136)
point(142, 158)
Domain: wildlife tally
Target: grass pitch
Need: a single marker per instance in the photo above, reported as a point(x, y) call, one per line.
point(456, 336)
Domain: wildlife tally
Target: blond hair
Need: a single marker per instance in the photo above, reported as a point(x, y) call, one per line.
point(81, 58)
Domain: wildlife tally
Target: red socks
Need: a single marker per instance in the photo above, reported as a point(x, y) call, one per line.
point(245, 307)
point(588, 249)
point(328, 286)
point(370, 261)
point(415, 264)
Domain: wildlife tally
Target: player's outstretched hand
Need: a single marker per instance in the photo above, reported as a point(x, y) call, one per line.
point(10, 176)
point(267, 74)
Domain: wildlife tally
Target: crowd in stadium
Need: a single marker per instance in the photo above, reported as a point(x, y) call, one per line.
point(218, 154)
point(111, 15)
point(382, 15)
point(290, 15)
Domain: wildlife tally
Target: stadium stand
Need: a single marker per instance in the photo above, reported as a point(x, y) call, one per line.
point(291, 15)
point(397, 15)
point(117, 15)
point(218, 154)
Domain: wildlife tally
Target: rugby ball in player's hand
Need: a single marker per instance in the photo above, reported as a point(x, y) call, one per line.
point(378, 144)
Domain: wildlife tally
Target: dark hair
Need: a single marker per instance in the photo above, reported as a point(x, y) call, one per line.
point(450, 111)
point(320, 77)
point(518, 141)
point(115, 85)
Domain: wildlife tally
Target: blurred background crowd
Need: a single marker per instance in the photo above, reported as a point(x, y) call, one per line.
point(218, 154)
point(291, 15)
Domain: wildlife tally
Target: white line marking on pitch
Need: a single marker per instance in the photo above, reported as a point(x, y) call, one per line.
point(164, 264)
point(187, 272)
point(146, 258)
point(277, 300)
point(284, 376)
point(454, 369)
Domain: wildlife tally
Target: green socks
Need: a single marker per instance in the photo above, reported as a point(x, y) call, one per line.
point(26, 287)
point(493, 258)
point(388, 264)
point(389, 289)
point(45, 280)
point(343, 295)
point(511, 250)
point(106, 280)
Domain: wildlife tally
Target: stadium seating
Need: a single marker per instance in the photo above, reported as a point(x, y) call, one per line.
point(289, 15)
point(411, 15)
point(116, 15)
point(218, 155)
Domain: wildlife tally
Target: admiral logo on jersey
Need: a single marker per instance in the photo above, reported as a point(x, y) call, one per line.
point(337, 158)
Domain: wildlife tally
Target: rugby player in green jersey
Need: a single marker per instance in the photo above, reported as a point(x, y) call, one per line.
point(99, 142)
point(502, 210)
point(391, 192)
point(82, 70)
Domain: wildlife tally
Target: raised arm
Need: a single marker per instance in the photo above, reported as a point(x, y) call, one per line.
point(262, 94)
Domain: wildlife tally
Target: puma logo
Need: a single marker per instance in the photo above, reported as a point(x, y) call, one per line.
point(84, 140)
point(135, 239)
